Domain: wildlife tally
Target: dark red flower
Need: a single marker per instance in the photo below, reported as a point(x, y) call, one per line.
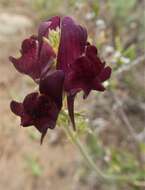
point(78, 67)
point(73, 40)
point(87, 73)
point(41, 110)
point(72, 43)
point(33, 58)
point(80, 62)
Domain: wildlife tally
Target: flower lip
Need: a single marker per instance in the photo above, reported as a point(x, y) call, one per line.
point(41, 110)
point(87, 73)
point(33, 60)
point(37, 110)
point(27, 62)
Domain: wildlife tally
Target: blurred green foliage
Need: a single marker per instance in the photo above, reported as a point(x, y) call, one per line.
point(120, 9)
point(46, 8)
point(33, 135)
point(81, 122)
point(33, 165)
point(111, 159)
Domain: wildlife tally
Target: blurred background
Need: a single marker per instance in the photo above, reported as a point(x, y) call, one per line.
point(111, 124)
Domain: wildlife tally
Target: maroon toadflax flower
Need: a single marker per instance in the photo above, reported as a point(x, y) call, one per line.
point(58, 59)
point(34, 58)
point(41, 110)
point(80, 62)
point(36, 53)
point(87, 73)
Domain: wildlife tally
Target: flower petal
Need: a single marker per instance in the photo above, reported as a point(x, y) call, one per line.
point(105, 74)
point(98, 86)
point(72, 43)
point(34, 60)
point(26, 120)
point(43, 125)
point(87, 73)
point(92, 55)
point(30, 102)
point(46, 57)
point(16, 107)
point(52, 85)
point(43, 112)
point(50, 24)
point(73, 85)
point(28, 62)
point(91, 50)
point(70, 105)
point(38, 110)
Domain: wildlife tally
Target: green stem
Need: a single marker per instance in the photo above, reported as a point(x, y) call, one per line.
point(71, 134)
point(83, 152)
